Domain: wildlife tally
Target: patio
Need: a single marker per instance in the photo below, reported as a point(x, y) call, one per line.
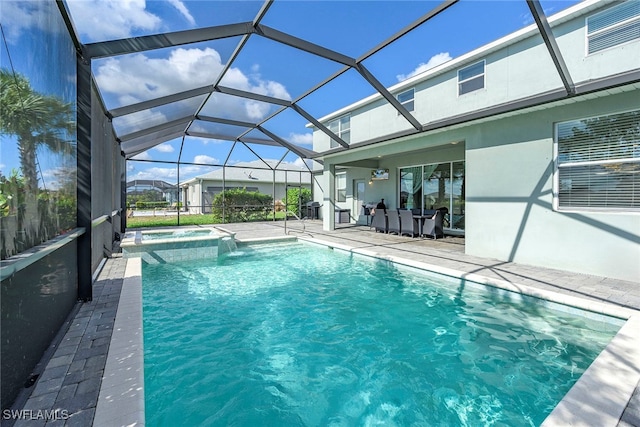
point(75, 363)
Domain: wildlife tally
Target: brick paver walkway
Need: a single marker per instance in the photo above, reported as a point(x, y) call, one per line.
point(71, 381)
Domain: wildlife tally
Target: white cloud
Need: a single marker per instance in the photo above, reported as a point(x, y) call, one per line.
point(164, 148)
point(276, 90)
point(256, 110)
point(189, 171)
point(434, 61)
point(103, 20)
point(203, 158)
point(183, 10)
point(301, 138)
point(134, 78)
point(169, 174)
point(21, 16)
point(131, 123)
point(300, 164)
point(164, 174)
point(255, 83)
point(206, 141)
point(142, 156)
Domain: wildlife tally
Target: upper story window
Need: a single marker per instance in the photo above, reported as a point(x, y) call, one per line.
point(471, 78)
point(341, 127)
point(614, 26)
point(406, 99)
point(598, 163)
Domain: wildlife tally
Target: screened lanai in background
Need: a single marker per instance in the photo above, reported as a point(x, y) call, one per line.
point(96, 95)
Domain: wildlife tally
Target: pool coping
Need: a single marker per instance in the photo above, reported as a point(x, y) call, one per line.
point(122, 389)
point(133, 239)
point(599, 397)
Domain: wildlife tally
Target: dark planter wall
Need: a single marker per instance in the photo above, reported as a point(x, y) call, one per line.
point(35, 302)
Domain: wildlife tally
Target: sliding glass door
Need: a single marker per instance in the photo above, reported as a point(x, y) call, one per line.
point(435, 186)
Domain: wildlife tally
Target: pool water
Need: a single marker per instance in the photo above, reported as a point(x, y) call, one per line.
point(298, 335)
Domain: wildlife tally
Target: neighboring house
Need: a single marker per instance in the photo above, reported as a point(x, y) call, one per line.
point(532, 169)
point(167, 192)
point(199, 192)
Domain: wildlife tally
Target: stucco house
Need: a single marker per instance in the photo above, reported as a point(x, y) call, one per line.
point(535, 162)
point(262, 176)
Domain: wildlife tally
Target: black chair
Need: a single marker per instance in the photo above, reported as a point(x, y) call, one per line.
point(445, 216)
point(393, 221)
point(433, 226)
point(379, 221)
point(408, 224)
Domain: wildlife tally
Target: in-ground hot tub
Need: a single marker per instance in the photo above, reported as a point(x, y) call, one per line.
point(177, 244)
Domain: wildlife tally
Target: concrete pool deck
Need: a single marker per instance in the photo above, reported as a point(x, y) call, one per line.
point(79, 371)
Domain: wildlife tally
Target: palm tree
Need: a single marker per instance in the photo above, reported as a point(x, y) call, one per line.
point(35, 120)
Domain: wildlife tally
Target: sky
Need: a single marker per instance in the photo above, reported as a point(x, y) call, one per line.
point(264, 66)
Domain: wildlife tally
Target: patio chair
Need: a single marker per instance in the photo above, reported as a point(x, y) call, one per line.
point(433, 226)
point(408, 224)
point(379, 221)
point(393, 221)
point(445, 216)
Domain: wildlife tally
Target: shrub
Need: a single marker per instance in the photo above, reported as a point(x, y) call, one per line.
point(240, 205)
point(297, 197)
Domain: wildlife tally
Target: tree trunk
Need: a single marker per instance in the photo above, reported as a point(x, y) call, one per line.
point(28, 218)
point(27, 149)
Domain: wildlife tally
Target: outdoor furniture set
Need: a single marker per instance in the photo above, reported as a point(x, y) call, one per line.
point(407, 222)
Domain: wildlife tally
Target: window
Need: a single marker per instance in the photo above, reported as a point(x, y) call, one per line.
point(598, 163)
point(341, 187)
point(614, 26)
point(341, 127)
point(406, 99)
point(471, 78)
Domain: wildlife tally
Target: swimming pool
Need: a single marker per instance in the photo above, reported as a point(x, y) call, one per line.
point(297, 335)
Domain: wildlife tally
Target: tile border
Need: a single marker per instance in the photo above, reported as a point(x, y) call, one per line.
point(122, 389)
point(602, 393)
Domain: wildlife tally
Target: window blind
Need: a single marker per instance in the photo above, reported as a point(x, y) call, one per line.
point(599, 162)
point(614, 26)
